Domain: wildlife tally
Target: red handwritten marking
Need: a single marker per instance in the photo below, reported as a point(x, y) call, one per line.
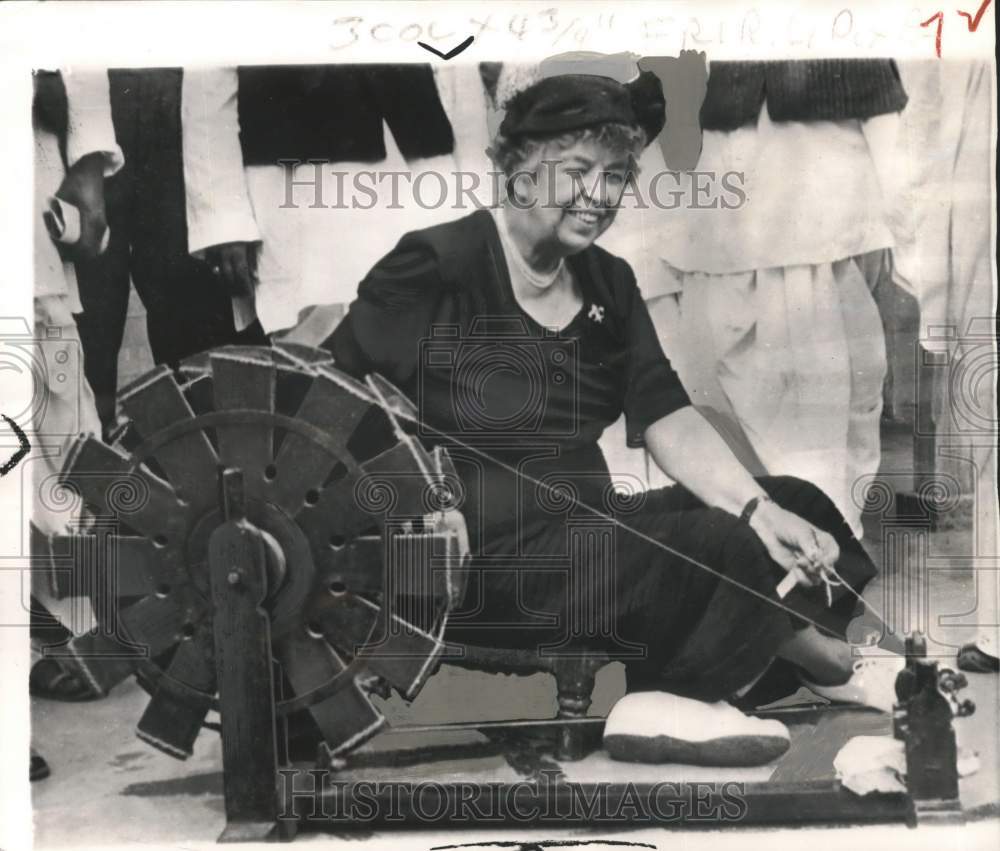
point(939, 17)
point(974, 22)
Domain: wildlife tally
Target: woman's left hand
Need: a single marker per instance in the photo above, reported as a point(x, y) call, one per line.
point(794, 543)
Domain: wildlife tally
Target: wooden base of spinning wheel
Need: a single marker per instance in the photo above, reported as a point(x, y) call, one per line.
point(334, 799)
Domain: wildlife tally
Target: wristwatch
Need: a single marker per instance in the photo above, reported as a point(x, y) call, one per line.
point(752, 506)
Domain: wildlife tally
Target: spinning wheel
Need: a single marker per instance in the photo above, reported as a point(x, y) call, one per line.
point(261, 498)
point(269, 540)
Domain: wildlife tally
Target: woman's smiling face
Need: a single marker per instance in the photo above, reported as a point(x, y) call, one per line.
point(572, 193)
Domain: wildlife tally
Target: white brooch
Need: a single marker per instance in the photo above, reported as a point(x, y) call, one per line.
point(596, 313)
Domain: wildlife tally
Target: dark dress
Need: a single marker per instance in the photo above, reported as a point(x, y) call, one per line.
point(560, 559)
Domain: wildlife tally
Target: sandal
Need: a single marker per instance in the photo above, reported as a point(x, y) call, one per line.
point(50, 680)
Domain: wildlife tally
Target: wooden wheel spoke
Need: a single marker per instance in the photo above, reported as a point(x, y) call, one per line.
point(102, 660)
point(140, 566)
point(172, 724)
point(200, 394)
point(393, 483)
point(337, 516)
point(399, 652)
point(393, 398)
point(345, 620)
point(308, 661)
point(156, 623)
point(332, 408)
point(195, 365)
point(416, 567)
point(156, 402)
point(303, 465)
point(244, 380)
point(194, 663)
point(345, 718)
point(105, 565)
point(172, 721)
point(400, 565)
point(106, 481)
point(355, 568)
point(297, 353)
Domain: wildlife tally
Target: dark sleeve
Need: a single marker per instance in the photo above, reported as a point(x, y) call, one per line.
point(407, 96)
point(652, 387)
point(398, 301)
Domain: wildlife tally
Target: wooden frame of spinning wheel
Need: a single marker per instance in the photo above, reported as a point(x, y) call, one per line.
point(254, 735)
point(257, 809)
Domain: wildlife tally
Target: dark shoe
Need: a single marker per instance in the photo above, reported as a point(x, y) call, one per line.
point(50, 680)
point(39, 767)
point(979, 657)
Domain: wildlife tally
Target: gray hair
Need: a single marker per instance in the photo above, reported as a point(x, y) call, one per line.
point(512, 154)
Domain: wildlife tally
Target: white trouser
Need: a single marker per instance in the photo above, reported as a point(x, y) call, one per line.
point(797, 356)
point(63, 400)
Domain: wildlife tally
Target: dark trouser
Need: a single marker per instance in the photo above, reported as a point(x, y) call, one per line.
point(187, 309)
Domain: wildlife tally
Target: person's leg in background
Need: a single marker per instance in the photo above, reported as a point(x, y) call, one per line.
point(104, 281)
point(187, 308)
point(766, 350)
point(65, 408)
point(67, 411)
point(869, 366)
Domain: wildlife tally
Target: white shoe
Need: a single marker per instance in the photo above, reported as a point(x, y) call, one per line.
point(658, 727)
point(873, 683)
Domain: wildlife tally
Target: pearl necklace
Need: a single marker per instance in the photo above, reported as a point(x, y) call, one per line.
point(537, 280)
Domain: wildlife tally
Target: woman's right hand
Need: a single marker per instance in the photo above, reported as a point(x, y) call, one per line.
point(235, 264)
point(796, 544)
point(83, 187)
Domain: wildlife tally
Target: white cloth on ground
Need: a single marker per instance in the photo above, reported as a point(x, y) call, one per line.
point(877, 764)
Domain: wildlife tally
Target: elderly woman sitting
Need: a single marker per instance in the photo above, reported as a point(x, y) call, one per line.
point(520, 341)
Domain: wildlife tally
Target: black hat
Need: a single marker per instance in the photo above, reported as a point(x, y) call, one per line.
point(566, 102)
